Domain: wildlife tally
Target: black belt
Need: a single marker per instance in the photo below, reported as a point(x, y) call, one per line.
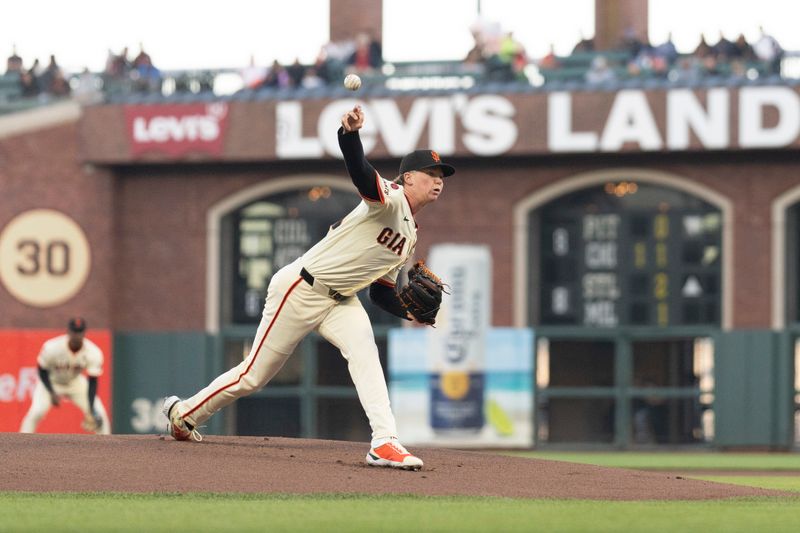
point(326, 291)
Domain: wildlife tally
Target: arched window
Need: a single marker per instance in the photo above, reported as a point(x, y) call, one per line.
point(626, 253)
point(268, 233)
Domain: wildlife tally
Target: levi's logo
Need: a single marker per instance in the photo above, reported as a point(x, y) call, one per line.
point(177, 129)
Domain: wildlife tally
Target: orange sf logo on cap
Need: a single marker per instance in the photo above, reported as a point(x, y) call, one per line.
point(435, 157)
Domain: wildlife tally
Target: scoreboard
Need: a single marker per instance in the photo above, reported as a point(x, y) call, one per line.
point(625, 253)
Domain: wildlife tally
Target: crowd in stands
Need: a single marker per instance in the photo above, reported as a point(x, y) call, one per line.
point(362, 55)
point(48, 82)
point(495, 56)
point(38, 79)
point(635, 57)
point(501, 57)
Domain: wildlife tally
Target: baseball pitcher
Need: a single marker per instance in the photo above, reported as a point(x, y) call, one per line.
point(367, 248)
point(62, 363)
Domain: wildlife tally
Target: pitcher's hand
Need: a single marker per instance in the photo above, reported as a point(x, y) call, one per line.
point(353, 120)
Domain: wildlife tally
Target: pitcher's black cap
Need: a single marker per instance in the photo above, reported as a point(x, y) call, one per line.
point(420, 159)
point(76, 324)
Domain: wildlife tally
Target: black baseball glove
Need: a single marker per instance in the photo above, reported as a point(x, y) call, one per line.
point(423, 294)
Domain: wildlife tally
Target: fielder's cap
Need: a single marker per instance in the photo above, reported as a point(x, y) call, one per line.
point(421, 159)
point(76, 324)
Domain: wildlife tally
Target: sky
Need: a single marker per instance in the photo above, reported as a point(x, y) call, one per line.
point(182, 34)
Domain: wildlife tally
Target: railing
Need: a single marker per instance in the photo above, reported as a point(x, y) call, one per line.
point(392, 78)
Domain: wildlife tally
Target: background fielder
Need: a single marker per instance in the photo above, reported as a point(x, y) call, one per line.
point(62, 362)
point(367, 248)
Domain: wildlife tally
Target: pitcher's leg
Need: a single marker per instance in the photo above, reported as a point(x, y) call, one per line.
point(40, 405)
point(348, 328)
point(291, 311)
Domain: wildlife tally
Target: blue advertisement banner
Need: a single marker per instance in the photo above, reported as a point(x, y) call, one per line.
point(485, 407)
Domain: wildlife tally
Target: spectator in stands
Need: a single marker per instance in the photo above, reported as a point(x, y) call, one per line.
point(14, 62)
point(142, 58)
point(253, 75)
point(550, 60)
point(87, 88)
point(30, 80)
point(600, 72)
point(768, 50)
point(46, 79)
point(686, 70)
point(322, 67)
point(631, 42)
point(703, 49)
point(666, 51)
point(724, 49)
point(511, 59)
point(487, 35)
point(118, 66)
point(367, 55)
point(738, 70)
point(706, 57)
point(28, 84)
point(742, 49)
point(59, 86)
point(296, 72)
point(335, 56)
point(311, 80)
point(646, 64)
point(475, 54)
point(277, 77)
point(146, 77)
point(584, 45)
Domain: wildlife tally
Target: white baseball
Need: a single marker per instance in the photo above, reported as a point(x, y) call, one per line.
point(352, 82)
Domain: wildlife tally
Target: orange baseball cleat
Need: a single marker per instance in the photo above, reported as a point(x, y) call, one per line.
point(394, 455)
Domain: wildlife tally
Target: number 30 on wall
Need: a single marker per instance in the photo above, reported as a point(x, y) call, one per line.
point(45, 257)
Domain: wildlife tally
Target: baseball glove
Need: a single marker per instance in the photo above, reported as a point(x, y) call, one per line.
point(423, 294)
point(91, 422)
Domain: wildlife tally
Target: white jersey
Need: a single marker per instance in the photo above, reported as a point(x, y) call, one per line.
point(63, 365)
point(372, 243)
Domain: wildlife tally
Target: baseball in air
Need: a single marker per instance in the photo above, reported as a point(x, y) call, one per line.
point(352, 82)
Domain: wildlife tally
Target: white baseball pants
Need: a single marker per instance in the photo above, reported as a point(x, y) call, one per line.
point(78, 393)
point(293, 310)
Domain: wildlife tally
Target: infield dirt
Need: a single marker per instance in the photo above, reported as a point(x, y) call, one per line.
point(153, 463)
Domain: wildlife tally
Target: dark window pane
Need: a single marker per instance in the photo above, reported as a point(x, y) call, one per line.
point(581, 363)
point(664, 363)
point(657, 420)
point(279, 417)
point(563, 420)
point(342, 419)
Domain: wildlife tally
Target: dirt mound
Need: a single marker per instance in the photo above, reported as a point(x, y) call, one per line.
point(135, 463)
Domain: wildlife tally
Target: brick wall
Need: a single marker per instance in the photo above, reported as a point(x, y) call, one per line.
point(349, 17)
point(147, 223)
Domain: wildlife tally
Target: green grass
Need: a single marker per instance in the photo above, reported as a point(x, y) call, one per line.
point(203, 512)
point(676, 461)
point(787, 483)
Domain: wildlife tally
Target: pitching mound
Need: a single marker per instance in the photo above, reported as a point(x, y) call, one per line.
point(150, 463)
